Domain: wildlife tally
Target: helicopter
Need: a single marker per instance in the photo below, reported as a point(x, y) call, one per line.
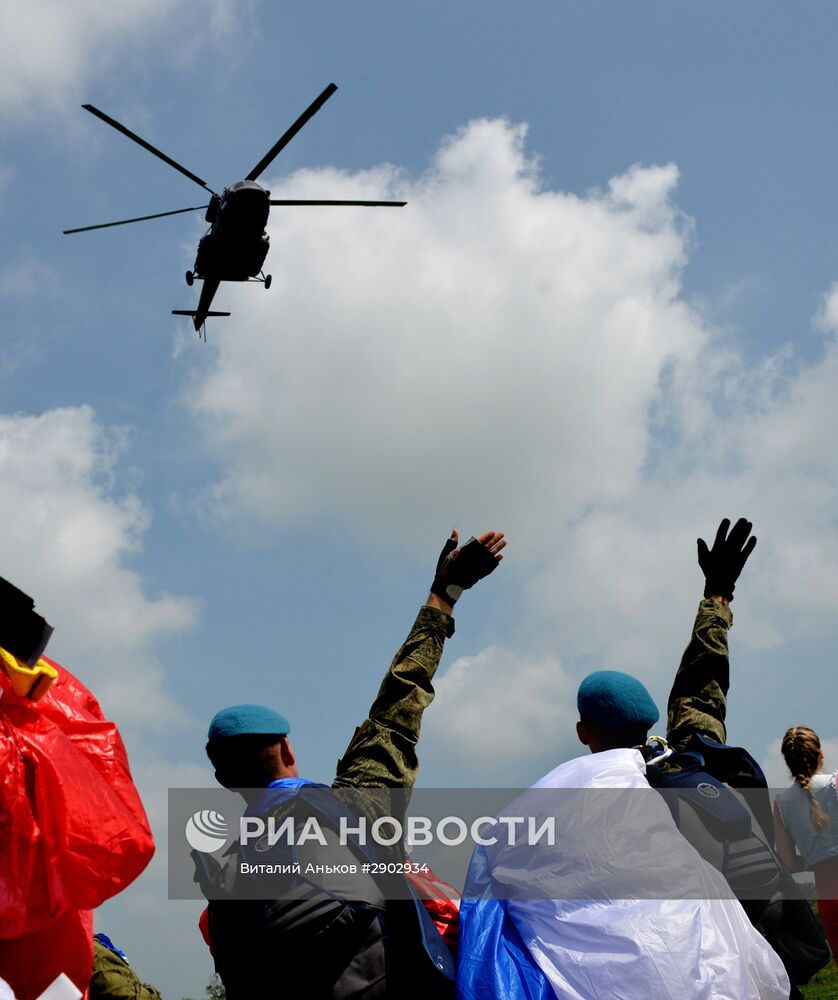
point(236, 244)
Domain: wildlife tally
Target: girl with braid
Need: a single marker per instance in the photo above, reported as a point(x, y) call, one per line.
point(806, 823)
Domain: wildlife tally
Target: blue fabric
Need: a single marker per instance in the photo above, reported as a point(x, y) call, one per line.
point(295, 783)
point(106, 942)
point(612, 698)
point(247, 720)
point(276, 794)
point(493, 961)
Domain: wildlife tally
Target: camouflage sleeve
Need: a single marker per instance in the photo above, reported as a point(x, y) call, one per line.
point(114, 979)
point(698, 699)
point(382, 753)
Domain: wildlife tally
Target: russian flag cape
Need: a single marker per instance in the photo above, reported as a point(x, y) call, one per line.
point(696, 942)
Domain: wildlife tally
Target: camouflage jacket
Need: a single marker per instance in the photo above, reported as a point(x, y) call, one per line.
point(382, 753)
point(698, 699)
point(114, 979)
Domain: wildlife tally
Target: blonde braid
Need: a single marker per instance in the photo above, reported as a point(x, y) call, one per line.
point(801, 749)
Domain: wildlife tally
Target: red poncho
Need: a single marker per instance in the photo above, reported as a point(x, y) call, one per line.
point(72, 828)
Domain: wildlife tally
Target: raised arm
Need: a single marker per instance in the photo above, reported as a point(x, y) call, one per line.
point(382, 753)
point(698, 699)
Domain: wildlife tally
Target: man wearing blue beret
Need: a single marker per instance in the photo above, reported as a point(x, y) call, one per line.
point(540, 948)
point(332, 945)
point(616, 710)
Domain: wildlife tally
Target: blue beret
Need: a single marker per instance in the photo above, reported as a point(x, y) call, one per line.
point(247, 720)
point(613, 698)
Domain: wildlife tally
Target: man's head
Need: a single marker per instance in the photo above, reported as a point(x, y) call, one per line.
point(615, 710)
point(248, 747)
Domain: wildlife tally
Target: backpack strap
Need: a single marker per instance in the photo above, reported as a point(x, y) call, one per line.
point(736, 767)
point(724, 815)
point(715, 818)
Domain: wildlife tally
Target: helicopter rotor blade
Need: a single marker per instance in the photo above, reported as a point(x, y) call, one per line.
point(363, 204)
point(283, 141)
point(140, 218)
point(146, 145)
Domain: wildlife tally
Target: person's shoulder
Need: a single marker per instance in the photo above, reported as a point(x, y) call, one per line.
point(824, 780)
point(791, 792)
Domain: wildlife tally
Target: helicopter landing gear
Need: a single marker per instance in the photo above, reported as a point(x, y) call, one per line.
point(268, 280)
point(190, 278)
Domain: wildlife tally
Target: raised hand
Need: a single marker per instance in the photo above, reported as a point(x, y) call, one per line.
point(458, 569)
point(723, 563)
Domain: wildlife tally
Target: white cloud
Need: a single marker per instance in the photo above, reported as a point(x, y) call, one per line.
point(66, 537)
point(830, 753)
point(766, 452)
point(827, 318)
point(493, 354)
point(501, 355)
point(499, 714)
point(50, 51)
point(26, 277)
point(468, 356)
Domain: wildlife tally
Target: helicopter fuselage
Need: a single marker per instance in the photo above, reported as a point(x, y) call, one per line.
point(236, 245)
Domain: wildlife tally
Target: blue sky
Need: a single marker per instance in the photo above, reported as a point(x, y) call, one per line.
point(606, 319)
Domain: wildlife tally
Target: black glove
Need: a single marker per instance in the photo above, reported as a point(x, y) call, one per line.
point(459, 569)
point(723, 563)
